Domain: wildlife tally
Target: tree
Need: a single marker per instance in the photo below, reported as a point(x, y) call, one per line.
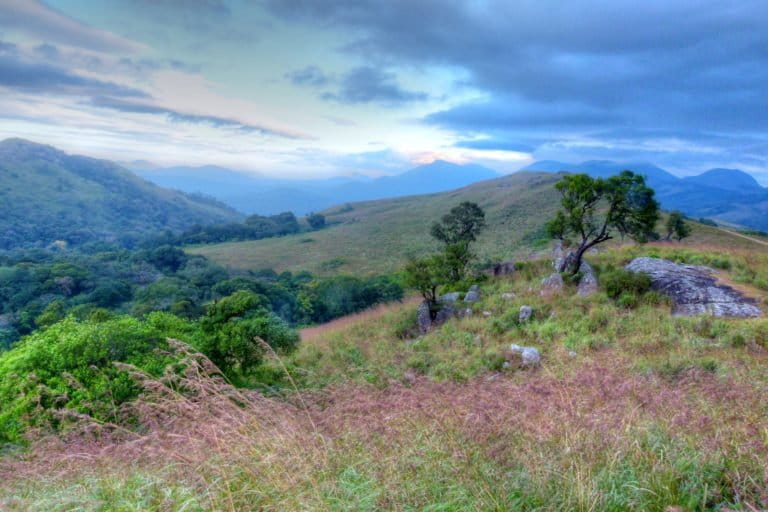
point(457, 230)
point(594, 208)
point(462, 224)
point(316, 220)
point(426, 276)
point(677, 227)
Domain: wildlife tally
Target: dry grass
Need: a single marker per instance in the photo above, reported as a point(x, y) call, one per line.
point(310, 334)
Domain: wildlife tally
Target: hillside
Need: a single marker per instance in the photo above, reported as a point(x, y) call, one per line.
point(728, 195)
point(254, 193)
point(49, 195)
point(378, 236)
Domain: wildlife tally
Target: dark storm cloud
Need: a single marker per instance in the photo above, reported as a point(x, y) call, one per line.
point(184, 117)
point(687, 66)
point(24, 76)
point(367, 84)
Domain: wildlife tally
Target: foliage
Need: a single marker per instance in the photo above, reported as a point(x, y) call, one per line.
point(316, 220)
point(462, 224)
point(70, 365)
point(425, 275)
point(619, 281)
point(677, 227)
point(234, 327)
point(593, 209)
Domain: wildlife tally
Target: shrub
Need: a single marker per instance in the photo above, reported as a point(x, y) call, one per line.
point(620, 282)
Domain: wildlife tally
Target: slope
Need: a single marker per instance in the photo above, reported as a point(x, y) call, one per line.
point(378, 236)
point(49, 195)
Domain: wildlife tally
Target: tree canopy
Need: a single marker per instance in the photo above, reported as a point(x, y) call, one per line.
point(594, 209)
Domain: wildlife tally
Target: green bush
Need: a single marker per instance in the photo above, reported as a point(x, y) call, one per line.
point(620, 282)
point(70, 365)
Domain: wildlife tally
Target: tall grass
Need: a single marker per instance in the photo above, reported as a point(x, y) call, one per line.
point(632, 410)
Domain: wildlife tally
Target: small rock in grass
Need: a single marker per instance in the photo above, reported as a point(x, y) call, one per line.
point(530, 356)
point(486, 314)
point(508, 295)
point(525, 313)
point(473, 295)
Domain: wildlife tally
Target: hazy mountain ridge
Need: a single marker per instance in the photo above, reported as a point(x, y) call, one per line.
point(253, 193)
point(728, 195)
point(51, 196)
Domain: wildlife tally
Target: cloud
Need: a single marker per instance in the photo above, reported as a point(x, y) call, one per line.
point(25, 76)
point(47, 24)
point(185, 117)
point(554, 72)
point(311, 76)
point(367, 84)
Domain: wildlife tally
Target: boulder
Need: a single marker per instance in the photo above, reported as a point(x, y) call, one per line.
point(525, 313)
point(503, 269)
point(473, 295)
point(552, 284)
point(449, 297)
point(423, 318)
point(529, 356)
point(588, 281)
point(693, 289)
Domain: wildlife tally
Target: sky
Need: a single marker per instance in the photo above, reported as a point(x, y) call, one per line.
point(314, 88)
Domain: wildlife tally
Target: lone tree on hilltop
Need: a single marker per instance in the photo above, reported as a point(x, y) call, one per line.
point(594, 208)
point(677, 227)
point(457, 230)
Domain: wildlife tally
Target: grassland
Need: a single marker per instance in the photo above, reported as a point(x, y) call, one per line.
point(632, 409)
point(377, 237)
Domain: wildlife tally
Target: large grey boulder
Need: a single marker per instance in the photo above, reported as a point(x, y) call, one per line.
point(588, 281)
point(473, 295)
point(693, 289)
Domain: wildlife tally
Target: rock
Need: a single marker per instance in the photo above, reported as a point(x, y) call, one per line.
point(552, 284)
point(558, 255)
point(446, 312)
point(449, 297)
point(504, 269)
point(525, 313)
point(572, 354)
point(486, 314)
point(694, 290)
point(588, 281)
point(530, 356)
point(508, 295)
point(424, 318)
point(473, 295)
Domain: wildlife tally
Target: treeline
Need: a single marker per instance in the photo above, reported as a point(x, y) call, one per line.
point(40, 287)
point(255, 227)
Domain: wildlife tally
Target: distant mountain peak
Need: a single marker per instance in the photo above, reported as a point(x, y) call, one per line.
point(727, 179)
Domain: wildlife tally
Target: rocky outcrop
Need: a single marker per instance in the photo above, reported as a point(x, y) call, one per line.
point(473, 295)
point(503, 269)
point(693, 289)
point(588, 280)
point(553, 283)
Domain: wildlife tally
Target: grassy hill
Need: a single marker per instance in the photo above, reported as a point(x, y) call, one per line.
point(631, 409)
point(377, 236)
point(48, 195)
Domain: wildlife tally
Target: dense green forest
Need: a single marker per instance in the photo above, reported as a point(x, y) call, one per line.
point(39, 287)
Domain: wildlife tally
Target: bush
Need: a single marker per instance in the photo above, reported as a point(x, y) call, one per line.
point(620, 282)
point(70, 365)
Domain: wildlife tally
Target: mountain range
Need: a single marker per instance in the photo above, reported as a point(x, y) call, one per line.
point(726, 195)
point(49, 195)
point(253, 193)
